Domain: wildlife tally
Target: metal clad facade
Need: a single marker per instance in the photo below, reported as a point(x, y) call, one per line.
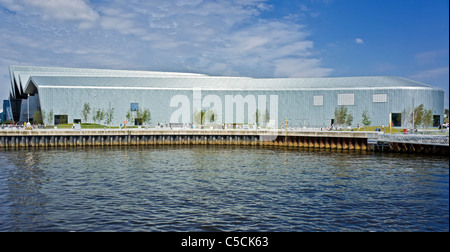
point(303, 102)
point(295, 105)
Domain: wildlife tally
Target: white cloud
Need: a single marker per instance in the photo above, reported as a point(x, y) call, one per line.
point(59, 10)
point(359, 41)
point(431, 74)
point(12, 5)
point(301, 68)
point(431, 57)
point(212, 37)
point(267, 46)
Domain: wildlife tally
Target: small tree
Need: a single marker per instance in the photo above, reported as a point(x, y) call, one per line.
point(199, 117)
point(427, 118)
point(422, 116)
point(86, 111)
point(43, 115)
point(94, 117)
point(366, 118)
point(340, 114)
point(109, 116)
point(349, 119)
point(143, 116)
point(129, 116)
point(209, 116)
point(265, 117)
point(139, 116)
point(417, 115)
point(37, 117)
point(98, 116)
point(204, 117)
point(262, 118)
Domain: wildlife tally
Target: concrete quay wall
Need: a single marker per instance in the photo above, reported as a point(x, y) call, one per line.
point(68, 138)
point(342, 140)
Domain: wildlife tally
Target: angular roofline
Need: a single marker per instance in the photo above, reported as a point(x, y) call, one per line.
point(21, 77)
point(96, 71)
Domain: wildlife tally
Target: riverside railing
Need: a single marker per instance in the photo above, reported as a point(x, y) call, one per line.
point(415, 139)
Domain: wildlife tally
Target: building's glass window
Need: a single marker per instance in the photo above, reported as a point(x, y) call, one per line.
point(379, 98)
point(318, 100)
point(134, 106)
point(60, 119)
point(346, 99)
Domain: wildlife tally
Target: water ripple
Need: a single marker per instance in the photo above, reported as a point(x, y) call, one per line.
point(215, 189)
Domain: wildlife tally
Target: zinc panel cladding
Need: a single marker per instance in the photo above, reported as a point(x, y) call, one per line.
point(309, 102)
point(294, 105)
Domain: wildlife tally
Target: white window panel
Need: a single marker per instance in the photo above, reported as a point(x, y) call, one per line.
point(379, 98)
point(346, 99)
point(318, 100)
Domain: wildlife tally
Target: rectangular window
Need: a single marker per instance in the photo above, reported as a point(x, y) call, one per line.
point(134, 106)
point(379, 98)
point(318, 100)
point(346, 99)
point(60, 119)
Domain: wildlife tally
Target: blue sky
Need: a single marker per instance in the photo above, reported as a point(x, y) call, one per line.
point(255, 38)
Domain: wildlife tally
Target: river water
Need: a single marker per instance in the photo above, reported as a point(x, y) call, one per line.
point(221, 188)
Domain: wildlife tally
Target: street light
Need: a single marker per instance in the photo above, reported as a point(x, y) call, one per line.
point(28, 108)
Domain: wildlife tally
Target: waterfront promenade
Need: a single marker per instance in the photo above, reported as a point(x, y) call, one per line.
point(320, 139)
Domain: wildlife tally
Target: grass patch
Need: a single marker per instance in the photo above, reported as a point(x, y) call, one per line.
point(85, 126)
point(386, 129)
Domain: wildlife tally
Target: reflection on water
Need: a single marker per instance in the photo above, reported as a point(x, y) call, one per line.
point(220, 188)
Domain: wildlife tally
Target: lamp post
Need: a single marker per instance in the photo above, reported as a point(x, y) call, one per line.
point(28, 108)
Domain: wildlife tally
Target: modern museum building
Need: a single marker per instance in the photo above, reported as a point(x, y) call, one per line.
point(62, 95)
